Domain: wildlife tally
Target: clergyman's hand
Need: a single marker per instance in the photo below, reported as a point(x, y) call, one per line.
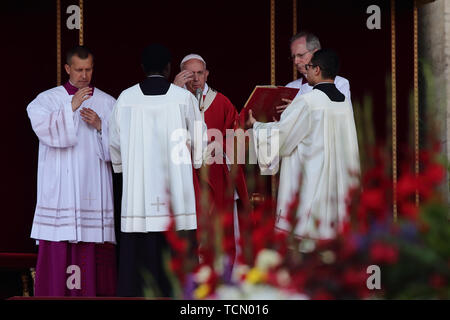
point(89, 116)
point(80, 96)
point(251, 120)
point(183, 77)
point(281, 108)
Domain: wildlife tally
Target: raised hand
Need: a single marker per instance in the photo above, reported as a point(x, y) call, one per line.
point(281, 108)
point(90, 117)
point(79, 97)
point(183, 77)
point(251, 120)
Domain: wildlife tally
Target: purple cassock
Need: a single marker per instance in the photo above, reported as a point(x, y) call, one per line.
point(97, 269)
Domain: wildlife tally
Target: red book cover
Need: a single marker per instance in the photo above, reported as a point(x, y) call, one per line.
point(263, 101)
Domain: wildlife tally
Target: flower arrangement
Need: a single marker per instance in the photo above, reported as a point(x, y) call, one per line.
point(411, 254)
point(383, 252)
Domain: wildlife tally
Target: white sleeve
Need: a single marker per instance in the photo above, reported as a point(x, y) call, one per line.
point(53, 121)
point(344, 87)
point(282, 137)
point(103, 137)
point(114, 139)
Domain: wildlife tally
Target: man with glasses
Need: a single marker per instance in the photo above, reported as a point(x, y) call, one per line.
point(303, 46)
point(316, 140)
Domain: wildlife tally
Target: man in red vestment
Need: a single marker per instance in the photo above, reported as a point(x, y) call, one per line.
point(225, 191)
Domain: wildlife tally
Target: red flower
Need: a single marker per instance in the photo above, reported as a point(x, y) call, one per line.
point(346, 227)
point(434, 173)
point(322, 295)
point(272, 278)
point(437, 281)
point(425, 157)
point(409, 210)
point(374, 199)
point(355, 278)
point(213, 279)
point(349, 247)
point(227, 220)
point(383, 253)
point(228, 243)
point(176, 265)
point(259, 240)
point(177, 244)
point(406, 186)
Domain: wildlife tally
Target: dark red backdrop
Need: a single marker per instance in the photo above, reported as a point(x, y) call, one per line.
point(233, 36)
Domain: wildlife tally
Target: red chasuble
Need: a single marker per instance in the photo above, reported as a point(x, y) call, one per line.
point(222, 115)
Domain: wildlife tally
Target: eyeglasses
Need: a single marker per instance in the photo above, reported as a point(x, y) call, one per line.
point(310, 65)
point(298, 55)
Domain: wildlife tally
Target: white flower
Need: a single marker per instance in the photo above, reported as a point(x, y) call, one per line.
point(283, 277)
point(203, 274)
point(226, 292)
point(238, 271)
point(328, 257)
point(267, 259)
point(266, 292)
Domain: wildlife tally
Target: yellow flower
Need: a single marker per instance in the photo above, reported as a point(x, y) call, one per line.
point(255, 275)
point(202, 291)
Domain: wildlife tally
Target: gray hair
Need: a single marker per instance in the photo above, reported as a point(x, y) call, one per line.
point(312, 42)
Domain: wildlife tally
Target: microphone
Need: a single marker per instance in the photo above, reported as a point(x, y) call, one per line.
point(198, 95)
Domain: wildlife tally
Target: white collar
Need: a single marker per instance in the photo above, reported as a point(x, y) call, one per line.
point(205, 89)
point(323, 82)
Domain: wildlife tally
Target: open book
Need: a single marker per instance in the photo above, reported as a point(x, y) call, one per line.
point(263, 101)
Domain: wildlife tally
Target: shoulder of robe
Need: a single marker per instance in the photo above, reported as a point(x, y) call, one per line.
point(295, 84)
point(309, 95)
point(104, 95)
point(224, 100)
point(129, 92)
point(341, 80)
point(49, 98)
point(52, 92)
point(182, 92)
point(309, 99)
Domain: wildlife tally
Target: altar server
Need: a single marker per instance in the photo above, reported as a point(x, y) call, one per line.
point(74, 220)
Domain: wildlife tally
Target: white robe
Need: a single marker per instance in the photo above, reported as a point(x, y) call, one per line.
point(74, 192)
point(144, 144)
point(341, 83)
point(317, 140)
